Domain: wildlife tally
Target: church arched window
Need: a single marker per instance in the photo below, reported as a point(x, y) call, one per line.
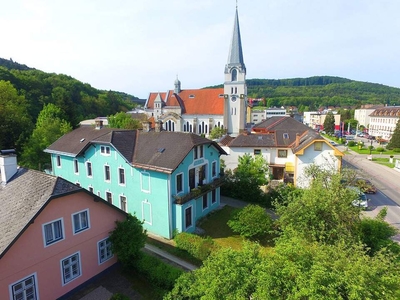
point(234, 75)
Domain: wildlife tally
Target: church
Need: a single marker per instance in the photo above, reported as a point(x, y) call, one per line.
point(200, 110)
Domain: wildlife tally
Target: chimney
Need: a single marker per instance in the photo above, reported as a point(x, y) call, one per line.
point(158, 126)
point(146, 126)
point(98, 123)
point(8, 164)
point(297, 139)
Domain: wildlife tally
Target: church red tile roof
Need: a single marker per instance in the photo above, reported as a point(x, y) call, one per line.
point(193, 102)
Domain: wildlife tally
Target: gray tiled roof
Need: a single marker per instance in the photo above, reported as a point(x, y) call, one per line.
point(163, 151)
point(23, 197)
point(278, 132)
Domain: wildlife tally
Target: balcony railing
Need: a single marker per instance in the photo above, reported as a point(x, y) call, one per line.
point(199, 191)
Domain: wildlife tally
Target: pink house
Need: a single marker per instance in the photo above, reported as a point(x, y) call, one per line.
point(53, 234)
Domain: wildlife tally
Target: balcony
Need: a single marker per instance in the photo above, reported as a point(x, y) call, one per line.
point(199, 191)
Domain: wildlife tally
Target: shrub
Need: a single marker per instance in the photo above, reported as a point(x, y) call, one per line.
point(397, 150)
point(119, 296)
point(252, 221)
point(196, 245)
point(351, 143)
point(156, 271)
point(380, 149)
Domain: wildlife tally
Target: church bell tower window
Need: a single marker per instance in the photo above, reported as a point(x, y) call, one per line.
point(234, 75)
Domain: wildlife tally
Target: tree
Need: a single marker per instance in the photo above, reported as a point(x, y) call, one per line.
point(127, 239)
point(322, 213)
point(245, 181)
point(395, 140)
point(15, 121)
point(124, 121)
point(50, 125)
point(329, 123)
point(217, 132)
point(252, 221)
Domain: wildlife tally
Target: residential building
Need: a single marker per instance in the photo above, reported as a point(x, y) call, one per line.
point(53, 234)
point(383, 121)
point(287, 145)
point(316, 119)
point(168, 179)
point(200, 110)
point(275, 112)
point(362, 115)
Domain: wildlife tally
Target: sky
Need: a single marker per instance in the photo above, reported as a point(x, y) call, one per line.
point(141, 46)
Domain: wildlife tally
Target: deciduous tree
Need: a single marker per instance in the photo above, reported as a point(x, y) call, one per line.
point(124, 121)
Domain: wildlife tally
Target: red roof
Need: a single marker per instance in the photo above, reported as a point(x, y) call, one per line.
point(193, 102)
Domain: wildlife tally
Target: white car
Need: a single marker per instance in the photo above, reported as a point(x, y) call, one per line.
point(361, 201)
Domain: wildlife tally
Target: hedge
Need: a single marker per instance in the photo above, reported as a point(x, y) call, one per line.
point(197, 246)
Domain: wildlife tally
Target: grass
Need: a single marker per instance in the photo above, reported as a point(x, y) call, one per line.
point(383, 161)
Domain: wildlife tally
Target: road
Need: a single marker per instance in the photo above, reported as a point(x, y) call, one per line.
point(387, 181)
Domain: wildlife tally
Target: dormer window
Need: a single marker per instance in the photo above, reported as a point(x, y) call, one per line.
point(286, 135)
point(191, 96)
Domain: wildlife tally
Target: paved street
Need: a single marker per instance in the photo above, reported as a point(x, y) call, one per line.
point(387, 180)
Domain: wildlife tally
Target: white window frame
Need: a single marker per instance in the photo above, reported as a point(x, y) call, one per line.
point(122, 198)
point(176, 183)
point(214, 169)
point(65, 281)
point(191, 220)
point(119, 176)
point(89, 167)
point(147, 175)
point(22, 281)
point(111, 197)
point(76, 166)
point(107, 167)
point(202, 202)
point(108, 254)
point(105, 150)
point(146, 202)
point(79, 213)
point(215, 194)
point(47, 244)
point(58, 161)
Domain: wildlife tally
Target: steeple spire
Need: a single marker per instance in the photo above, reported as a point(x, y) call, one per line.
point(235, 57)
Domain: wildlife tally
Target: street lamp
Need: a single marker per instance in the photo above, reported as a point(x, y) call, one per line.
point(370, 148)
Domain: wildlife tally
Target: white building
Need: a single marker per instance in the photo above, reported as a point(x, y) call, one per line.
point(383, 121)
point(362, 115)
point(316, 119)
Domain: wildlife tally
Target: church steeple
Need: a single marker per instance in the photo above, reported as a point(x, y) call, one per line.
point(235, 57)
point(235, 89)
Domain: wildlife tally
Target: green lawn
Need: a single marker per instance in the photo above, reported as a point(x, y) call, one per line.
point(383, 161)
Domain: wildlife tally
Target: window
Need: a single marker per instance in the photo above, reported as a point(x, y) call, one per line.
point(202, 175)
point(107, 176)
point(205, 201)
point(214, 169)
point(195, 152)
point(70, 268)
point(179, 185)
point(58, 161)
point(282, 153)
point(122, 201)
point(192, 179)
point(257, 151)
point(318, 146)
point(200, 151)
point(80, 221)
point(53, 232)
point(109, 197)
point(213, 196)
point(76, 166)
point(188, 217)
point(105, 150)
point(25, 289)
point(104, 248)
point(89, 169)
point(121, 175)
point(234, 75)
point(90, 189)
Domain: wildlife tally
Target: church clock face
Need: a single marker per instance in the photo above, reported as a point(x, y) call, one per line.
point(233, 98)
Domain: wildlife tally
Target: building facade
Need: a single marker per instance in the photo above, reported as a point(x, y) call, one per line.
point(383, 121)
point(168, 179)
point(200, 110)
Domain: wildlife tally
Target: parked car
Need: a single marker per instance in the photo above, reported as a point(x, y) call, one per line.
point(333, 143)
point(365, 185)
point(362, 200)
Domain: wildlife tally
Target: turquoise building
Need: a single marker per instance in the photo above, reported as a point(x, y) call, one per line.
point(167, 179)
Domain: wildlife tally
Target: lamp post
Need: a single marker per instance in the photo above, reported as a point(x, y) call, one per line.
point(370, 148)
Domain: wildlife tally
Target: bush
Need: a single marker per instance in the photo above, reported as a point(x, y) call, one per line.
point(196, 245)
point(397, 150)
point(156, 271)
point(252, 221)
point(119, 296)
point(351, 143)
point(380, 149)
